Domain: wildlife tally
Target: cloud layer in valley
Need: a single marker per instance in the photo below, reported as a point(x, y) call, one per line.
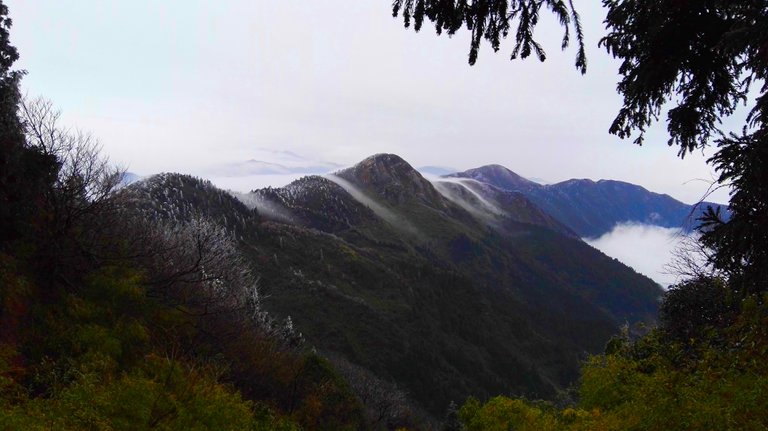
point(647, 249)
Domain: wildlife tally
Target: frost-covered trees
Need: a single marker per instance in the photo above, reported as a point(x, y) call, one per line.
point(196, 267)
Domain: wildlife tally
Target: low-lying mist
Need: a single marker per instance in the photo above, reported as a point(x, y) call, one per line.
point(384, 213)
point(460, 192)
point(647, 249)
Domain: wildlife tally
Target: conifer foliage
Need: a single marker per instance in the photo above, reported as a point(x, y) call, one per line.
point(703, 58)
point(493, 20)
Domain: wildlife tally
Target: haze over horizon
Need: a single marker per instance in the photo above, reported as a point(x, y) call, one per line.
point(180, 86)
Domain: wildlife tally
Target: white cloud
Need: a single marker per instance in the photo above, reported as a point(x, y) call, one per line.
point(396, 220)
point(647, 249)
point(245, 184)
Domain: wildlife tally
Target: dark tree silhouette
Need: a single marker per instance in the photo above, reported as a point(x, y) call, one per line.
point(701, 58)
point(700, 55)
point(695, 307)
point(24, 172)
point(493, 20)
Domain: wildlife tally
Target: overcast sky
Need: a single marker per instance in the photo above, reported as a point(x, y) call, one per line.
point(177, 85)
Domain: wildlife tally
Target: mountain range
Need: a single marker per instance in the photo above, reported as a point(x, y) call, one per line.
point(589, 208)
point(449, 288)
point(593, 208)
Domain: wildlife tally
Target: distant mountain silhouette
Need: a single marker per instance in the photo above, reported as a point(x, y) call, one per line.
point(591, 208)
point(436, 170)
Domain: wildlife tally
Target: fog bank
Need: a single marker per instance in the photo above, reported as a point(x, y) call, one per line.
point(647, 249)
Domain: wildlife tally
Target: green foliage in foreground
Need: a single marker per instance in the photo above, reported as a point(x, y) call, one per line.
point(93, 367)
point(159, 394)
point(719, 381)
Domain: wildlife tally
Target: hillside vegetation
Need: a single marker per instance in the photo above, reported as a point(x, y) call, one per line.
point(378, 267)
point(113, 318)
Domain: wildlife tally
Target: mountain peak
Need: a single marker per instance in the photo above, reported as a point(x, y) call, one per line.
point(392, 178)
point(385, 161)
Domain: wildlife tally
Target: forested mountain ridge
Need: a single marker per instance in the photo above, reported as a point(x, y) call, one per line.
point(378, 266)
point(593, 208)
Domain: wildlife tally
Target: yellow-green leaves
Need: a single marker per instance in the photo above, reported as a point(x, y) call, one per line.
point(161, 394)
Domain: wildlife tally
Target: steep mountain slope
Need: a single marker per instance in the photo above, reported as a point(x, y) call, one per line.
point(444, 290)
point(472, 241)
point(592, 208)
point(496, 206)
point(391, 181)
point(128, 178)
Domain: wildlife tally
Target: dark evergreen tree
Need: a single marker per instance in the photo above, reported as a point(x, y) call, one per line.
point(493, 20)
point(695, 309)
point(24, 171)
point(10, 129)
point(741, 244)
point(703, 57)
